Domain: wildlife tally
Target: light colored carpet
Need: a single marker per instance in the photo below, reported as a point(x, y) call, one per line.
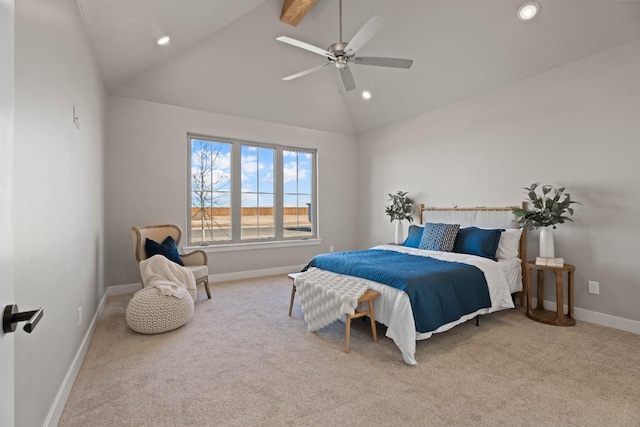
point(242, 361)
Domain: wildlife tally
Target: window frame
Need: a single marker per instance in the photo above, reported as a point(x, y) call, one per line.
point(236, 242)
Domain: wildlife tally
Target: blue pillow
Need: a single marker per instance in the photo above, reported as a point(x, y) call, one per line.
point(167, 249)
point(477, 241)
point(414, 237)
point(439, 237)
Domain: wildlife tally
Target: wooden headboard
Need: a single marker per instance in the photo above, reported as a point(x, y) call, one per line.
point(499, 217)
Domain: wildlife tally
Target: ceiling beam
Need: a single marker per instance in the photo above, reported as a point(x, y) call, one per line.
point(294, 10)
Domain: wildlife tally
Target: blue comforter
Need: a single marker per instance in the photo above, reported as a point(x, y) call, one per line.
point(440, 292)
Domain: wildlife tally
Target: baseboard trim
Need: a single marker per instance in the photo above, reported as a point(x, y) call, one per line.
point(55, 413)
point(250, 274)
point(131, 288)
point(602, 319)
point(123, 289)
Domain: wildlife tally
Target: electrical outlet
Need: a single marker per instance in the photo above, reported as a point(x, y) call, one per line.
point(79, 316)
point(331, 248)
point(594, 287)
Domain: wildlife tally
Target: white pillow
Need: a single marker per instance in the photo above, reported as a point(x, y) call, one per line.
point(509, 244)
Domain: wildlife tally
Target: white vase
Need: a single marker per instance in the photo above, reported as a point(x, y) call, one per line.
point(399, 233)
point(546, 243)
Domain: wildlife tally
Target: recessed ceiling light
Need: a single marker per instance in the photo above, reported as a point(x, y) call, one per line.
point(366, 94)
point(163, 40)
point(528, 11)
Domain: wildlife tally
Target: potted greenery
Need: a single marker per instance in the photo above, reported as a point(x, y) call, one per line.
point(547, 210)
point(401, 208)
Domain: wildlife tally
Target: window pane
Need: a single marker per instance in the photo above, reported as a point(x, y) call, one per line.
point(210, 191)
point(211, 222)
point(257, 216)
point(297, 182)
point(290, 171)
point(266, 157)
point(249, 166)
point(297, 216)
point(304, 173)
point(258, 219)
point(297, 172)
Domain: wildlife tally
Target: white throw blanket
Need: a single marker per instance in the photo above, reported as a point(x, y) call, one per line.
point(169, 277)
point(325, 298)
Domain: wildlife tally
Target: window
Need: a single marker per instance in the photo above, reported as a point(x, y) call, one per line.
point(258, 196)
point(249, 192)
point(296, 170)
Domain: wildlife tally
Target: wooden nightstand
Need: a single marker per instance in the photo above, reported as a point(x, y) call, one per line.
point(539, 314)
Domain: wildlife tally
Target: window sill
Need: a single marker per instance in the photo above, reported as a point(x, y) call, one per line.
point(230, 247)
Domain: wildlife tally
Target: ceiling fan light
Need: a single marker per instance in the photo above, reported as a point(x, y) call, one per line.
point(528, 11)
point(341, 62)
point(163, 40)
point(366, 95)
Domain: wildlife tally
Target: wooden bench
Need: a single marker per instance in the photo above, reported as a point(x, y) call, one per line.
point(368, 296)
point(292, 276)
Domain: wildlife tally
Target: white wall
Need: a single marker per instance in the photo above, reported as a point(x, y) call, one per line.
point(58, 198)
point(576, 126)
point(7, 100)
point(146, 181)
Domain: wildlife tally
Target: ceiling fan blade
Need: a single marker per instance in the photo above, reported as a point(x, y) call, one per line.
point(366, 33)
point(306, 46)
point(347, 79)
point(305, 72)
point(383, 62)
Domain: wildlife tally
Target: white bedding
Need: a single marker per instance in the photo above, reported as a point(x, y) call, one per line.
point(393, 308)
point(512, 269)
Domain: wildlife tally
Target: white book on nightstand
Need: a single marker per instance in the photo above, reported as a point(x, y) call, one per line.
point(550, 262)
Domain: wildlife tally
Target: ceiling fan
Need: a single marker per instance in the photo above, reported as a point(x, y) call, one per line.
point(341, 54)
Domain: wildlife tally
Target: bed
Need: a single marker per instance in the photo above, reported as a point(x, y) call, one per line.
point(479, 273)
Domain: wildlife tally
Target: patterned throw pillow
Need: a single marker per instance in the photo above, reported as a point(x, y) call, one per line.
point(439, 237)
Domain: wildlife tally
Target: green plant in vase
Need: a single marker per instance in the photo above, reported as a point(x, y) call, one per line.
point(401, 208)
point(548, 207)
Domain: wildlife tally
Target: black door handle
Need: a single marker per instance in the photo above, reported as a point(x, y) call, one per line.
point(11, 316)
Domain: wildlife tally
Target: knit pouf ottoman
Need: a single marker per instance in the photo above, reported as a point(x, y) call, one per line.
point(150, 312)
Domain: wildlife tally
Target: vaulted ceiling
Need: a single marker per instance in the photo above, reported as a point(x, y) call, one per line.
point(224, 57)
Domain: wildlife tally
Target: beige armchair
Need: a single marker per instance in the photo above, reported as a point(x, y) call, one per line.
point(195, 261)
